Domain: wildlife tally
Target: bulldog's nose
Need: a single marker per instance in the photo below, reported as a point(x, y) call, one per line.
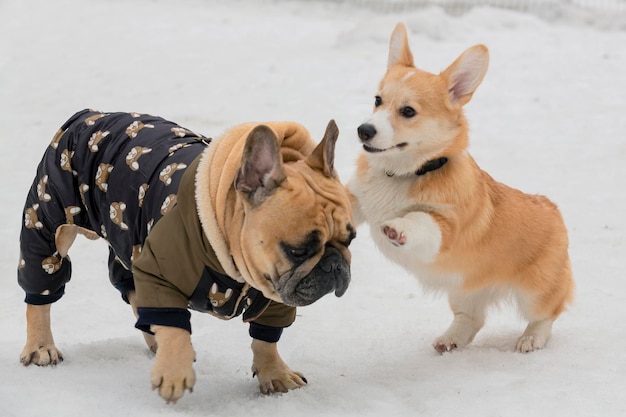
point(366, 131)
point(332, 273)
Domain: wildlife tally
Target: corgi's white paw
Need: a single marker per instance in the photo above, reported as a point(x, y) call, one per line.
point(535, 336)
point(416, 232)
point(526, 344)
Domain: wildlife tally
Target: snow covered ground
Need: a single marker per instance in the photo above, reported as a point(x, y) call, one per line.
point(549, 118)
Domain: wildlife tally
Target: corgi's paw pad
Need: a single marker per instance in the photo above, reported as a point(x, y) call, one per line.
point(396, 237)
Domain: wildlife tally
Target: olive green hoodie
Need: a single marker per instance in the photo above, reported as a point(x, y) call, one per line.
point(185, 261)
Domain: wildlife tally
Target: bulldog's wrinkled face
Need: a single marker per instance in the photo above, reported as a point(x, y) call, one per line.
point(297, 224)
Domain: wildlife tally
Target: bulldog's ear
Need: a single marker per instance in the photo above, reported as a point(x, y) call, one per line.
point(323, 156)
point(261, 170)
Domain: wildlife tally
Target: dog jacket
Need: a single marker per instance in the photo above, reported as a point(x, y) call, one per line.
point(118, 174)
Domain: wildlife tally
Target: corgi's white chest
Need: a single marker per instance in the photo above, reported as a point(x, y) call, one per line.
point(381, 197)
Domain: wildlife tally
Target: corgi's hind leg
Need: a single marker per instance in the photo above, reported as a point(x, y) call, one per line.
point(542, 306)
point(535, 336)
point(469, 317)
point(540, 319)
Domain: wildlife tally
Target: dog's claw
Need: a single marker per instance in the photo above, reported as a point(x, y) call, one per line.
point(42, 356)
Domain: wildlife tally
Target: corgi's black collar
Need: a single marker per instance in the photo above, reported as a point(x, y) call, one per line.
point(429, 166)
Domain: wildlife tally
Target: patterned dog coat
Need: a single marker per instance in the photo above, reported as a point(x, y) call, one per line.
point(96, 174)
point(116, 174)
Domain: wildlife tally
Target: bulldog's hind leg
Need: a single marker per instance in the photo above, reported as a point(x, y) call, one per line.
point(40, 348)
point(273, 373)
point(123, 280)
point(66, 234)
point(150, 339)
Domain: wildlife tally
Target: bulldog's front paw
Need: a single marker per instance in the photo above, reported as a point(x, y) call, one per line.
point(41, 354)
point(278, 379)
point(272, 372)
point(173, 372)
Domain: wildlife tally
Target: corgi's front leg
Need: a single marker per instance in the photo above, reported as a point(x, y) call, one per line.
point(416, 232)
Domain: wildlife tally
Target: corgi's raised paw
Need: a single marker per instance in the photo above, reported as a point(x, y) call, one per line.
point(395, 237)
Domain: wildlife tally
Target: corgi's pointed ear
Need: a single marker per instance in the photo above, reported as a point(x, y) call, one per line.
point(261, 170)
point(466, 73)
point(323, 156)
point(399, 52)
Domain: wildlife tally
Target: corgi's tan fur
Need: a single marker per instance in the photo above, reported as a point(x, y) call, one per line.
point(451, 224)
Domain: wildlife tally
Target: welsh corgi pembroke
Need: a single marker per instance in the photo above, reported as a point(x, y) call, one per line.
point(433, 211)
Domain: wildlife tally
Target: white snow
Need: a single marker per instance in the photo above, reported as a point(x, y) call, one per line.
point(549, 118)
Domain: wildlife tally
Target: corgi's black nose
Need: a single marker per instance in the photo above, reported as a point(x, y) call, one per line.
point(366, 132)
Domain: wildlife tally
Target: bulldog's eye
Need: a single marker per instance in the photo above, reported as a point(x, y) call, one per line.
point(298, 252)
point(302, 251)
point(408, 112)
point(378, 101)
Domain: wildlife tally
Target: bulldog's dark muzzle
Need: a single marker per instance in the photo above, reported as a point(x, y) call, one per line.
point(332, 273)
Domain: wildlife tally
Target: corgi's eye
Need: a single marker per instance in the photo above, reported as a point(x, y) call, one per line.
point(378, 101)
point(408, 112)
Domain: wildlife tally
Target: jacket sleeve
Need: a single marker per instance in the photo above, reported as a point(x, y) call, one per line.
point(268, 327)
point(159, 301)
point(164, 277)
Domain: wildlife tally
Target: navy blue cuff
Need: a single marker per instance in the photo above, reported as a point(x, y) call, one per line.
point(38, 299)
point(265, 333)
point(173, 317)
point(124, 287)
